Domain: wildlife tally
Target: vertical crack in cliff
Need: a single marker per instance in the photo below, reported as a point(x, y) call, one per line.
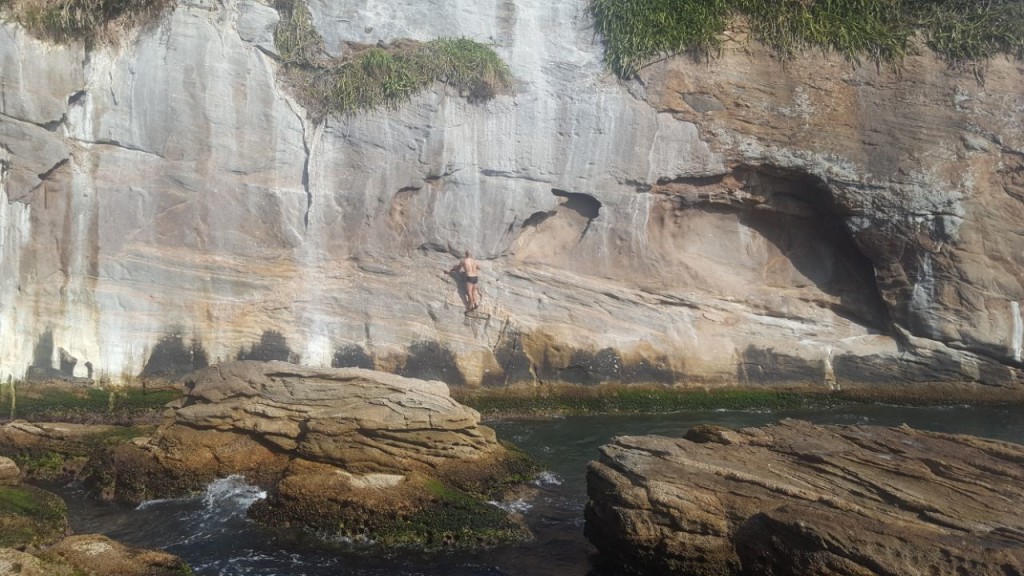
point(305, 183)
point(5, 166)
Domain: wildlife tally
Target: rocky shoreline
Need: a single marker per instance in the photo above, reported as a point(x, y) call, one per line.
point(363, 455)
point(393, 462)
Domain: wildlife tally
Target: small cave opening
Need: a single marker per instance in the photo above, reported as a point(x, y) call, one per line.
point(798, 213)
point(583, 204)
point(551, 236)
point(536, 219)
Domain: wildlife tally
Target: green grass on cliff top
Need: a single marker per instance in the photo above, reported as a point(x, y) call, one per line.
point(371, 77)
point(964, 32)
point(88, 21)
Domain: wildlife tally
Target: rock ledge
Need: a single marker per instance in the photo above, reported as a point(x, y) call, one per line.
point(796, 498)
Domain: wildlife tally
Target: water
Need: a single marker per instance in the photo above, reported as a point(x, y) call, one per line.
point(211, 532)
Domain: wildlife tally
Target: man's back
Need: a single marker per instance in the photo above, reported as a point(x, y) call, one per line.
point(470, 266)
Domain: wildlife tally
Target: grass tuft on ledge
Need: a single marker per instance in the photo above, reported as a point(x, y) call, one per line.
point(370, 77)
point(87, 21)
point(963, 32)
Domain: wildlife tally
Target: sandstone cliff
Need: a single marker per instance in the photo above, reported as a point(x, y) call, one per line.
point(168, 204)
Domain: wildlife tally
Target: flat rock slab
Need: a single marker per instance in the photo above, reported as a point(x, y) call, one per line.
point(795, 498)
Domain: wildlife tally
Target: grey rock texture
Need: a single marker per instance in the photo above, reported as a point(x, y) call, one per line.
point(796, 498)
point(168, 205)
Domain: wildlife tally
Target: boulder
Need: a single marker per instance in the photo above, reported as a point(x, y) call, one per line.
point(356, 418)
point(30, 516)
point(24, 564)
point(10, 474)
point(796, 498)
point(91, 555)
point(354, 452)
point(101, 556)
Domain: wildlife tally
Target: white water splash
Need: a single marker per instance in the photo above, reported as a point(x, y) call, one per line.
point(222, 499)
point(1018, 331)
point(231, 493)
point(547, 478)
point(520, 506)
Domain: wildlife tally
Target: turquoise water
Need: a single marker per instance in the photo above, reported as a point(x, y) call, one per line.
point(211, 532)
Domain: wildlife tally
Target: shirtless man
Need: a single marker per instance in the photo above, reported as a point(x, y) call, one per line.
point(472, 270)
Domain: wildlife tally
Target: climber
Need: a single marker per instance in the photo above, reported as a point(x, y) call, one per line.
point(472, 270)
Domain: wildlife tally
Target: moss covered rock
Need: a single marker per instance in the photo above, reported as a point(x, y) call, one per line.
point(60, 450)
point(30, 516)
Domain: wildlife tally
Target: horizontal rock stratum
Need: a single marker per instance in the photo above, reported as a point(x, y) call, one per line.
point(346, 451)
point(799, 499)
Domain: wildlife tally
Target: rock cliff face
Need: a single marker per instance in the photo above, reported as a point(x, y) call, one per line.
point(168, 204)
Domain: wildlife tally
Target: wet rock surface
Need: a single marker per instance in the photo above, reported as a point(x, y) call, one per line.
point(35, 540)
point(99, 555)
point(796, 498)
point(59, 450)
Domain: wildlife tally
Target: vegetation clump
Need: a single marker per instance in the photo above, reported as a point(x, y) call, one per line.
point(88, 21)
point(379, 76)
point(961, 31)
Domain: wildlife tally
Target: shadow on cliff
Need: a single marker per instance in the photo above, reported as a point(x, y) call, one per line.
point(172, 357)
point(272, 346)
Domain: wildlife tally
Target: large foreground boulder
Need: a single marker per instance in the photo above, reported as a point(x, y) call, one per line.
point(346, 451)
point(799, 499)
